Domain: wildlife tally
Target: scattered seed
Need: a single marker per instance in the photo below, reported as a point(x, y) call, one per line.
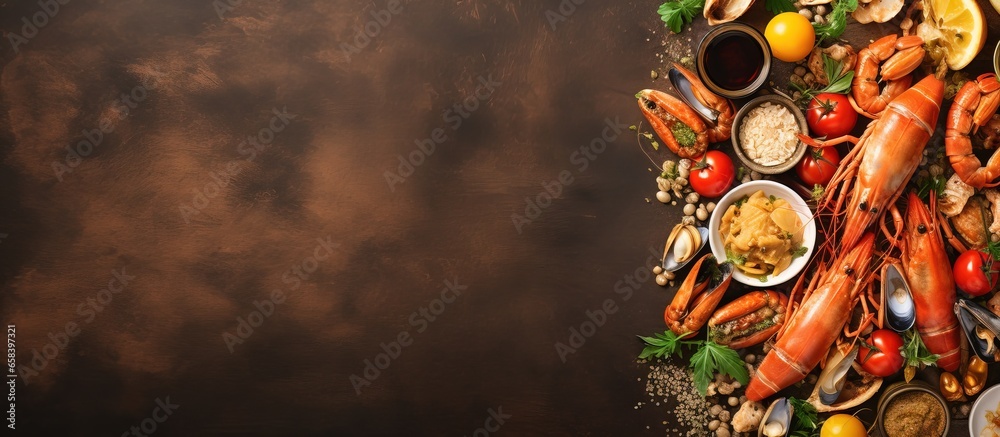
point(733, 401)
point(653, 75)
point(663, 196)
point(689, 209)
point(715, 410)
point(661, 280)
point(809, 79)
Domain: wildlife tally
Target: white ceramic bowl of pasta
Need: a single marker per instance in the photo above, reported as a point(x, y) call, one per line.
point(989, 400)
point(770, 189)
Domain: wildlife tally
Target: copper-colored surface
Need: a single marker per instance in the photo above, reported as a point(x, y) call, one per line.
point(531, 196)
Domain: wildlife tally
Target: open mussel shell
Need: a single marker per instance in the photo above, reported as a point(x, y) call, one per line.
point(777, 419)
point(900, 313)
point(684, 242)
point(683, 87)
point(834, 375)
point(981, 327)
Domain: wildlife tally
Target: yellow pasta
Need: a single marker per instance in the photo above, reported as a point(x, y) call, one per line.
point(762, 234)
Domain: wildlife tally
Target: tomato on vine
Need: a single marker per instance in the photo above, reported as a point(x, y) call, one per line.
point(818, 166)
point(881, 355)
point(830, 115)
point(712, 174)
point(976, 272)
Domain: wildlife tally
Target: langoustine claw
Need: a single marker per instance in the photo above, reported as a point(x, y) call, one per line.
point(698, 296)
point(891, 59)
point(975, 104)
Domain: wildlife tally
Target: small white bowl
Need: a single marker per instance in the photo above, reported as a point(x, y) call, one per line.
point(771, 189)
point(988, 401)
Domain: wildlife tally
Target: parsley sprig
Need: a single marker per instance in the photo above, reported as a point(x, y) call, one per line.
point(839, 81)
point(678, 13)
point(805, 420)
point(835, 27)
point(916, 354)
point(709, 358)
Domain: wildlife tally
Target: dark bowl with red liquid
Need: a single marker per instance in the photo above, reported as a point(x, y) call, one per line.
point(734, 60)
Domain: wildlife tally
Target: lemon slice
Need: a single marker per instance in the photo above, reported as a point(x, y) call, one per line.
point(962, 27)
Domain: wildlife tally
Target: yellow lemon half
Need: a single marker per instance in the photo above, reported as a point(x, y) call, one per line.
point(962, 28)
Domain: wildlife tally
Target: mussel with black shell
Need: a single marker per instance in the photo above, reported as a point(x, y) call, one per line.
point(981, 327)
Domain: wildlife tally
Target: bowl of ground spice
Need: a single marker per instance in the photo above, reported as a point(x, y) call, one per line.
point(912, 409)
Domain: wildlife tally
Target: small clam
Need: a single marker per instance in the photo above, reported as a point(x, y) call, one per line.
point(831, 379)
point(684, 242)
point(897, 300)
point(777, 419)
point(981, 328)
point(975, 376)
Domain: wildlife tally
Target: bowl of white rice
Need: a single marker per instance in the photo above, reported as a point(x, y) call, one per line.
point(765, 134)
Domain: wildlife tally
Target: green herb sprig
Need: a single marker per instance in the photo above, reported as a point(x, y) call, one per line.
point(916, 354)
point(805, 420)
point(835, 27)
point(839, 81)
point(679, 13)
point(778, 6)
point(709, 358)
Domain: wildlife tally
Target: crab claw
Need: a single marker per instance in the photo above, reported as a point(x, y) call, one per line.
point(698, 295)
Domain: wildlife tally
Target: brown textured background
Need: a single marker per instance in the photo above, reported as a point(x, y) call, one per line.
point(216, 82)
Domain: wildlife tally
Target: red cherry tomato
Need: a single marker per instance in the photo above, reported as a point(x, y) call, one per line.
point(887, 359)
point(831, 115)
point(818, 166)
point(971, 270)
point(712, 174)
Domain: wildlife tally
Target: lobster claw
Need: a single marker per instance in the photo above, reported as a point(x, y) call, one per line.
point(698, 295)
point(748, 320)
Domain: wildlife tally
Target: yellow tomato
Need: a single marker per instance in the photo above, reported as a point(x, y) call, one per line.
point(790, 36)
point(843, 425)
